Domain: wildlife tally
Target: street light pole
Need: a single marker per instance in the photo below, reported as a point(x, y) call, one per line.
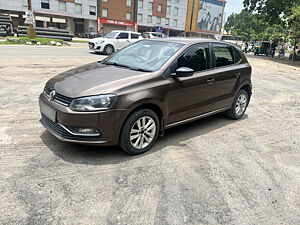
point(31, 33)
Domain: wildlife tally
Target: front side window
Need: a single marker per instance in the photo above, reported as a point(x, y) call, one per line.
point(45, 4)
point(196, 58)
point(223, 55)
point(123, 35)
point(144, 55)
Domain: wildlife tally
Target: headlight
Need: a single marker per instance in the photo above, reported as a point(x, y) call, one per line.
point(93, 103)
point(99, 42)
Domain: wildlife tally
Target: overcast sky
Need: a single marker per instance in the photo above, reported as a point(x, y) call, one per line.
point(233, 6)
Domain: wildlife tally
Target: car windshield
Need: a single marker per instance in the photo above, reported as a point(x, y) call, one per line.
point(111, 35)
point(144, 55)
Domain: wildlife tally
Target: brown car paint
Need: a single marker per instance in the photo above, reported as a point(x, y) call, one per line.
point(177, 100)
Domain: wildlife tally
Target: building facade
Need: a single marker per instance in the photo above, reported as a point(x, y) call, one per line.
point(77, 16)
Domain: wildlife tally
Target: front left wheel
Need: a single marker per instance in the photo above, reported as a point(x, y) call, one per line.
point(139, 132)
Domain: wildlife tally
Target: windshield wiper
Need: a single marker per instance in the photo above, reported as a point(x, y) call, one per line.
point(140, 69)
point(115, 64)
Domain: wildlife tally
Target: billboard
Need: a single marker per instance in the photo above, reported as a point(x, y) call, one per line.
point(210, 15)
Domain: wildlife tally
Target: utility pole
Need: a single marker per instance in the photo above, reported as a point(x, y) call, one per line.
point(31, 33)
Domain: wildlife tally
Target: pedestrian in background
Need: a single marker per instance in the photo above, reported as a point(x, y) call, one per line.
point(273, 48)
point(282, 50)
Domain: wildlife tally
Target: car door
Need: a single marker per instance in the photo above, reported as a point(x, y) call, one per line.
point(134, 37)
point(227, 74)
point(190, 96)
point(122, 40)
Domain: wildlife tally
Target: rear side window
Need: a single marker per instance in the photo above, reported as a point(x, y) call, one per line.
point(224, 55)
point(134, 36)
point(237, 56)
point(196, 58)
point(123, 36)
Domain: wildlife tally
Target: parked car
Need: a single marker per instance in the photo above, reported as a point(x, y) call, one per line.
point(132, 96)
point(114, 41)
point(154, 35)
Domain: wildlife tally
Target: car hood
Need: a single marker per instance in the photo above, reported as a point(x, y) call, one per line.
point(99, 39)
point(94, 79)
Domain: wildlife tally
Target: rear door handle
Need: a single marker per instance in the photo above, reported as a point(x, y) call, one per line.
point(237, 75)
point(210, 81)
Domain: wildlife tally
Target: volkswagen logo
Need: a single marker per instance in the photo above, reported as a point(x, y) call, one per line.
point(51, 95)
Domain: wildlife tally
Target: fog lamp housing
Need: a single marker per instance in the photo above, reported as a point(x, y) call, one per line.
point(88, 131)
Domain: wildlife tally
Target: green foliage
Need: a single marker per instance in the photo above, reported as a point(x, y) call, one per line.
point(273, 11)
point(252, 26)
point(23, 40)
point(294, 24)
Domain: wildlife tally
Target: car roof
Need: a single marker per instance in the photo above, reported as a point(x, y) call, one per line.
point(127, 31)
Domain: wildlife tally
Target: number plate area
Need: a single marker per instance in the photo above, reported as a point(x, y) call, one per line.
point(48, 111)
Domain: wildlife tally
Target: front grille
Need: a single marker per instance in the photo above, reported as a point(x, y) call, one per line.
point(66, 101)
point(61, 99)
point(60, 131)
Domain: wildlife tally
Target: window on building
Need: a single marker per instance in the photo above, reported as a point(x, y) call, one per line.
point(150, 6)
point(159, 7)
point(149, 19)
point(92, 10)
point(177, 1)
point(168, 10)
point(196, 58)
point(25, 3)
point(140, 4)
point(128, 16)
point(45, 4)
point(104, 0)
point(123, 35)
point(135, 36)
point(158, 21)
point(167, 21)
point(223, 55)
point(128, 3)
point(104, 12)
point(78, 8)
point(175, 11)
point(140, 17)
point(175, 23)
point(62, 6)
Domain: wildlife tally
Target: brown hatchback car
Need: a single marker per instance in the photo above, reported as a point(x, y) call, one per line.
point(132, 96)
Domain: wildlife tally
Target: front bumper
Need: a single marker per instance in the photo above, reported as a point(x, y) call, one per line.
point(95, 47)
point(109, 123)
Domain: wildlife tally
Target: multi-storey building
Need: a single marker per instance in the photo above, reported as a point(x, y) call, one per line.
point(77, 16)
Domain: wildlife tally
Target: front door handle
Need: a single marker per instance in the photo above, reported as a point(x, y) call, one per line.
point(237, 75)
point(210, 81)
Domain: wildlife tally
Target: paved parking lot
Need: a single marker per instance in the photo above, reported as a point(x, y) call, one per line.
point(213, 171)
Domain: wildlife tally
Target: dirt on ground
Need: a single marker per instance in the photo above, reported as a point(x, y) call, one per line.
point(212, 171)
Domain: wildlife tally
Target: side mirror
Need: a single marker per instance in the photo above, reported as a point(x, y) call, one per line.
point(183, 72)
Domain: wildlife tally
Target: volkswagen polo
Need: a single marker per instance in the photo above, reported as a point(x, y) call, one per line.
point(132, 96)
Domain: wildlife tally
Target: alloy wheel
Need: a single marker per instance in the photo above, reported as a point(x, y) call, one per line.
point(241, 104)
point(142, 132)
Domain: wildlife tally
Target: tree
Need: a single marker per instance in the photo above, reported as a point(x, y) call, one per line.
point(294, 26)
point(272, 10)
point(252, 26)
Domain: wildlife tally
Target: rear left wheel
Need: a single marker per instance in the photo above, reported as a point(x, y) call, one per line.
point(239, 105)
point(139, 132)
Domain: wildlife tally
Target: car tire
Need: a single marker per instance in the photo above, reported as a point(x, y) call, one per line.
point(140, 132)
point(239, 105)
point(108, 49)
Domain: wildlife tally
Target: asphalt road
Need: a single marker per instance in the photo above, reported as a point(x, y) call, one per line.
point(213, 171)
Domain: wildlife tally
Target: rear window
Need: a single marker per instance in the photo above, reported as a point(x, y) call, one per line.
point(135, 36)
point(237, 56)
point(224, 55)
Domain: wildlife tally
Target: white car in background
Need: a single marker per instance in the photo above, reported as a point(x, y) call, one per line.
point(154, 35)
point(114, 41)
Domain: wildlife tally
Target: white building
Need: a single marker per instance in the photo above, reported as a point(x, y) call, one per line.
point(170, 16)
point(77, 16)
